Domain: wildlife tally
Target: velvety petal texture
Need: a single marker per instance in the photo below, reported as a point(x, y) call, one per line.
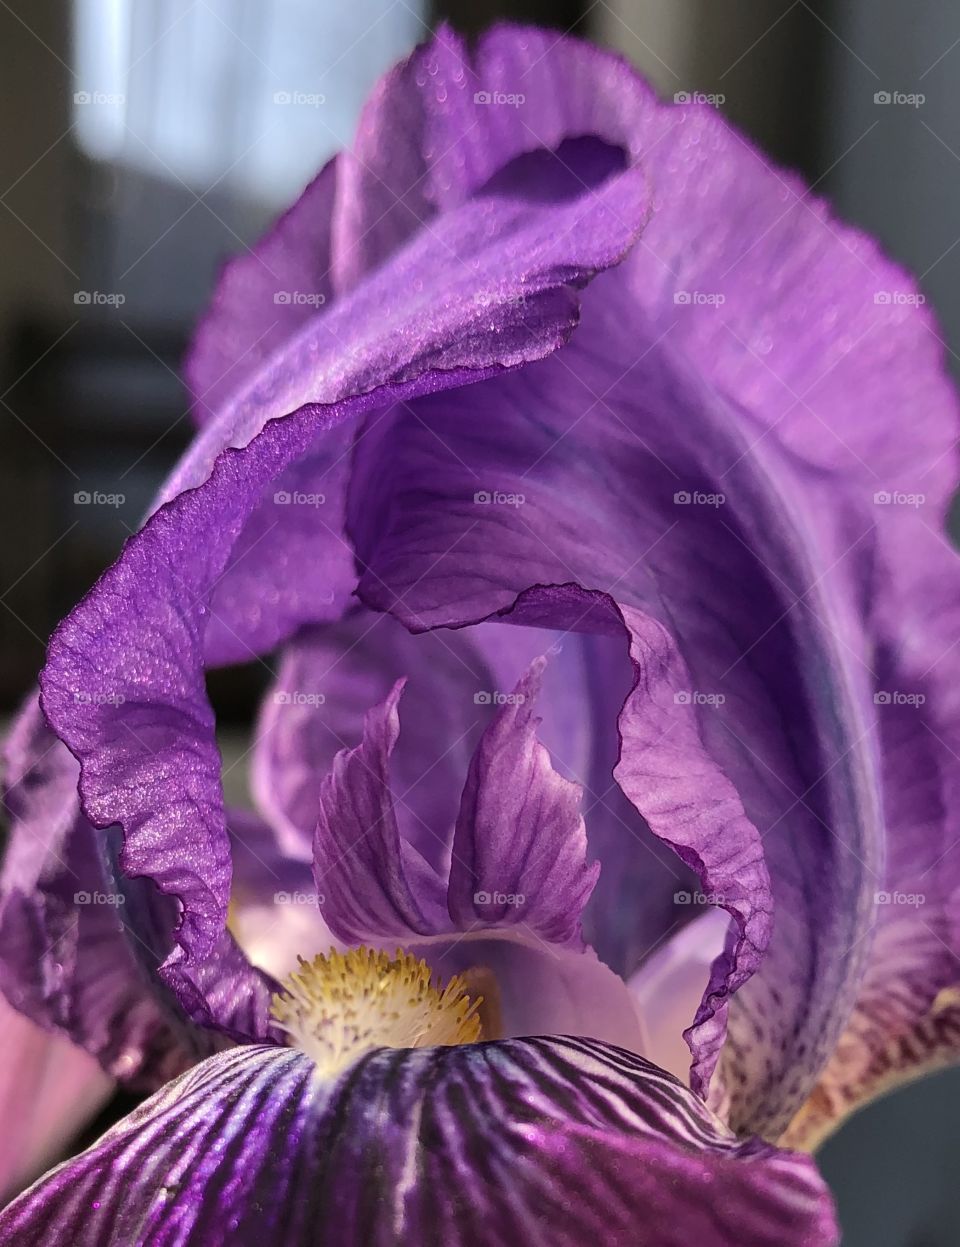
point(540, 1141)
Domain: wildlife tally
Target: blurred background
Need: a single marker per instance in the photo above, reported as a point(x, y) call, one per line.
point(146, 140)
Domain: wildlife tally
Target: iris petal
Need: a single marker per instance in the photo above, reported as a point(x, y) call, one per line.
point(375, 884)
point(541, 1141)
point(327, 680)
point(138, 643)
point(328, 677)
point(490, 282)
point(79, 944)
point(446, 141)
point(906, 1017)
point(787, 398)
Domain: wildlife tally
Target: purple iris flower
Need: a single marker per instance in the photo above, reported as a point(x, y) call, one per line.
point(588, 480)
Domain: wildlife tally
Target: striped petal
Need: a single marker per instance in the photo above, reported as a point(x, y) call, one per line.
point(548, 1142)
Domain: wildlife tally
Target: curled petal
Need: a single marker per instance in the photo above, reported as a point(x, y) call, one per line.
point(491, 281)
point(447, 142)
point(79, 944)
point(544, 1141)
point(906, 1015)
point(489, 288)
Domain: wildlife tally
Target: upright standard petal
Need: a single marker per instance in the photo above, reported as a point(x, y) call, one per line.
point(544, 1141)
point(503, 905)
point(489, 288)
point(517, 856)
point(695, 382)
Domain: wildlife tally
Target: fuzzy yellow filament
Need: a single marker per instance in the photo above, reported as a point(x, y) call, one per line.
point(341, 1005)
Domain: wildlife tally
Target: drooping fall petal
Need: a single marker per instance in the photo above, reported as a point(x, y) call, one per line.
point(544, 1141)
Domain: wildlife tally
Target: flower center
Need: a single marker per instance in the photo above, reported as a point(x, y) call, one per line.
point(341, 1005)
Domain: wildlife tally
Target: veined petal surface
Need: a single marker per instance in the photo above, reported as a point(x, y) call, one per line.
point(552, 1142)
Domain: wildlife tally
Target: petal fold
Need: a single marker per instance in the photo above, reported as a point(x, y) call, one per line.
point(906, 1015)
point(488, 287)
point(457, 119)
